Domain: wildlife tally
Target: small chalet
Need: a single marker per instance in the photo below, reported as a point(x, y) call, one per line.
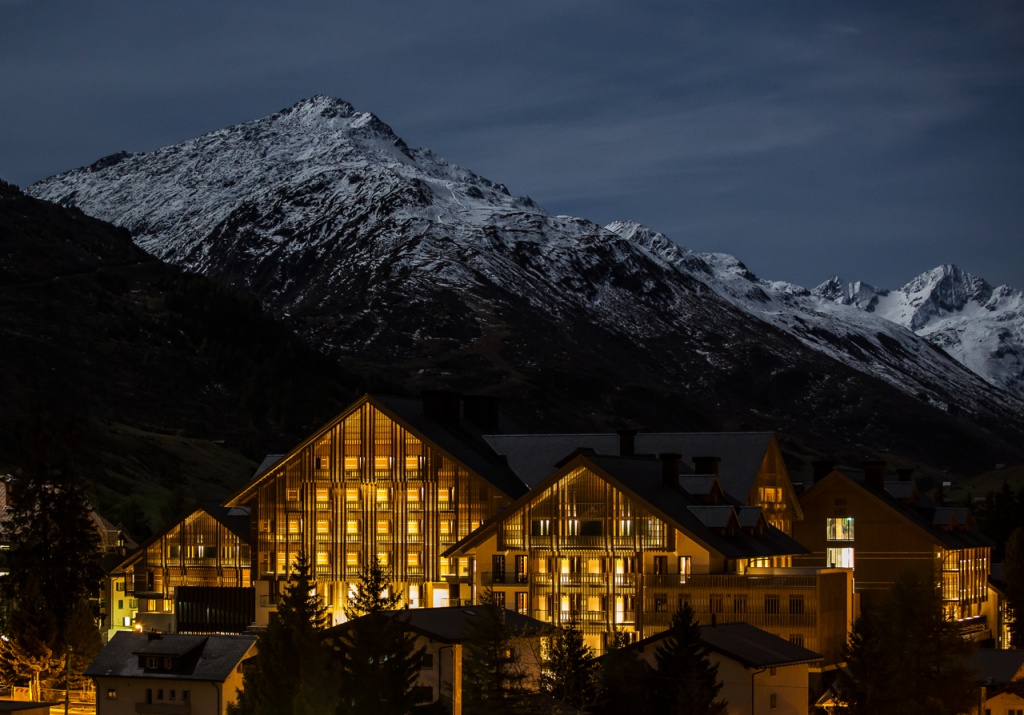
point(165, 673)
point(759, 672)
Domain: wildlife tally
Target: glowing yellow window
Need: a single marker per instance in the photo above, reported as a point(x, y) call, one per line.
point(323, 494)
point(446, 527)
point(383, 526)
point(443, 496)
point(382, 495)
point(352, 526)
point(352, 558)
point(474, 524)
point(412, 495)
point(382, 558)
point(351, 464)
point(321, 558)
point(413, 558)
point(412, 527)
point(382, 463)
point(352, 494)
point(322, 526)
point(294, 524)
point(412, 462)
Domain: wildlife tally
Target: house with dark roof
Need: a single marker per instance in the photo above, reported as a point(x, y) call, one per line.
point(748, 466)
point(442, 632)
point(759, 672)
point(169, 674)
point(617, 544)
point(194, 576)
point(392, 478)
point(881, 527)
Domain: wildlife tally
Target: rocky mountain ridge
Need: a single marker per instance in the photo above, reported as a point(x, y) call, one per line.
point(392, 256)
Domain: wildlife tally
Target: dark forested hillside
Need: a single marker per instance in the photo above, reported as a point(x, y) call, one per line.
point(172, 385)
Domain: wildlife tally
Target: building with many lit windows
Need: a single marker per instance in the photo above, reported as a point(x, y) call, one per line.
point(881, 528)
point(391, 478)
point(619, 543)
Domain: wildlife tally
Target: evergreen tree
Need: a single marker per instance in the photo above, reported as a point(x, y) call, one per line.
point(54, 551)
point(572, 672)
point(28, 652)
point(907, 658)
point(1013, 573)
point(685, 680)
point(493, 678)
point(376, 656)
point(625, 680)
point(290, 674)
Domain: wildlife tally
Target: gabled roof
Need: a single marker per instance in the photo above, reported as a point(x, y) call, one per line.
point(934, 520)
point(461, 441)
point(218, 655)
point(641, 478)
point(454, 624)
point(747, 645)
point(534, 456)
point(234, 518)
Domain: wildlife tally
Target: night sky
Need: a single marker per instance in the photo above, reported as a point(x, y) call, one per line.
point(870, 140)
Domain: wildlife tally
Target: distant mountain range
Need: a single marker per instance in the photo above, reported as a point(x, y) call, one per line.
point(390, 256)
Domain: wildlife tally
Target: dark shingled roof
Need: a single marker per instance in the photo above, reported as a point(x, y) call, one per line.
point(753, 647)
point(454, 624)
point(1001, 666)
point(217, 655)
point(534, 456)
point(462, 441)
point(643, 477)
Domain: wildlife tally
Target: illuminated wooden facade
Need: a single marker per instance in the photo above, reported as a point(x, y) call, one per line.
point(208, 547)
point(393, 478)
point(619, 543)
point(882, 528)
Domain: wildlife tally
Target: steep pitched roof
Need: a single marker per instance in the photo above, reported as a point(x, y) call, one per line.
point(534, 456)
point(460, 440)
point(217, 655)
point(641, 477)
point(745, 644)
point(950, 528)
point(1001, 666)
point(234, 518)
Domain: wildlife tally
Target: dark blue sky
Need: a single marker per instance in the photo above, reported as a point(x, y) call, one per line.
point(872, 140)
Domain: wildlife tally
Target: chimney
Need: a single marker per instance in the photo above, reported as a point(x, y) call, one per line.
point(905, 474)
point(874, 475)
point(670, 468)
point(627, 442)
point(442, 406)
point(482, 411)
point(706, 465)
point(822, 468)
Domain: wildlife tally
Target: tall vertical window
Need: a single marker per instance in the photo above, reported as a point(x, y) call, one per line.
point(839, 529)
point(684, 568)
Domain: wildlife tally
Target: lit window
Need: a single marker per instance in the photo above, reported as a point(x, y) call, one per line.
point(414, 558)
point(382, 558)
point(446, 527)
point(412, 495)
point(294, 525)
point(292, 494)
point(352, 494)
point(111, 693)
point(321, 558)
point(840, 529)
point(684, 568)
point(412, 462)
point(323, 463)
point(322, 494)
point(383, 526)
point(443, 496)
point(352, 526)
point(381, 463)
point(382, 495)
point(625, 527)
point(351, 464)
point(412, 527)
point(572, 527)
point(352, 558)
point(322, 526)
point(839, 558)
point(541, 527)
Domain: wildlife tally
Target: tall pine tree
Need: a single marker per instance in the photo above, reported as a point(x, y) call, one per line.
point(376, 656)
point(907, 658)
point(685, 679)
point(54, 551)
point(572, 672)
point(625, 680)
point(291, 673)
point(493, 677)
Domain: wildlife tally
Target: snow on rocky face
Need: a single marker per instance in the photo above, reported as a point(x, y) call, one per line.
point(387, 253)
point(980, 326)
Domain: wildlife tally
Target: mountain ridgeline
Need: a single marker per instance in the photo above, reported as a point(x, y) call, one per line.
point(396, 260)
